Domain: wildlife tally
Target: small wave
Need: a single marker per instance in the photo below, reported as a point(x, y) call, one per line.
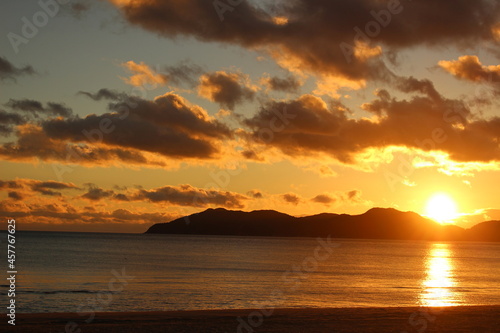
point(50, 292)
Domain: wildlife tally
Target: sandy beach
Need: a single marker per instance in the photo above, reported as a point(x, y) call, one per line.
point(451, 319)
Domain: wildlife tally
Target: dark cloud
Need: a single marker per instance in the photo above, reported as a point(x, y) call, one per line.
point(183, 195)
point(307, 35)
point(36, 107)
point(227, 89)
point(8, 121)
point(182, 73)
point(256, 194)
point(33, 144)
point(106, 94)
point(10, 184)
point(36, 185)
point(5, 130)
point(291, 198)
point(24, 201)
point(95, 193)
point(187, 195)
point(47, 187)
point(287, 84)
point(413, 85)
point(426, 121)
point(27, 187)
point(64, 213)
point(79, 8)
point(251, 155)
point(50, 192)
point(15, 196)
point(58, 109)
point(324, 199)
point(310, 127)
point(26, 105)
point(354, 195)
point(9, 71)
point(121, 197)
point(168, 126)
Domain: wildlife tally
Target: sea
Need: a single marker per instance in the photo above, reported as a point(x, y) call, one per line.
point(91, 272)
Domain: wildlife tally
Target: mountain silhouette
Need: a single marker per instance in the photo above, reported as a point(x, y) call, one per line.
point(376, 223)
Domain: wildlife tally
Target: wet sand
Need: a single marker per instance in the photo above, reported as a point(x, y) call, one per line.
point(466, 319)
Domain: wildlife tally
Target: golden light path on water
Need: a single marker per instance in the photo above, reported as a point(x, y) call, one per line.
point(439, 285)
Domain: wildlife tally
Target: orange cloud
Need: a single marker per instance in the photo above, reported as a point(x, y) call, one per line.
point(329, 85)
point(469, 67)
point(280, 20)
point(142, 74)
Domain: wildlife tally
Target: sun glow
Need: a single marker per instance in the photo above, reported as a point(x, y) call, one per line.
point(441, 208)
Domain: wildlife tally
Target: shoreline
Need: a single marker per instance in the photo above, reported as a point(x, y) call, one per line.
point(478, 318)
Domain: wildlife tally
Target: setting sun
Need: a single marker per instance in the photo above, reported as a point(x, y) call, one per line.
point(441, 208)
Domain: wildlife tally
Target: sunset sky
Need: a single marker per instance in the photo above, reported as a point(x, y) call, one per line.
point(115, 115)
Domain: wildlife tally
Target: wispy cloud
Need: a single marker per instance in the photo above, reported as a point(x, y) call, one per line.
point(8, 71)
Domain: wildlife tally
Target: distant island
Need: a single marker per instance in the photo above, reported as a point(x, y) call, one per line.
point(376, 223)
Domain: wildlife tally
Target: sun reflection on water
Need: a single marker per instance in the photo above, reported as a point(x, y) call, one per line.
point(439, 286)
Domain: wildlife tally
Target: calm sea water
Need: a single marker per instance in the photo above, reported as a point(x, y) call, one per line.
point(71, 272)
